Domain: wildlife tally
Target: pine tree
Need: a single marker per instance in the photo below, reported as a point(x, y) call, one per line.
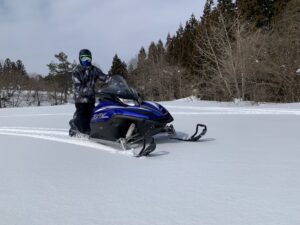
point(226, 6)
point(258, 11)
point(21, 68)
point(118, 67)
point(170, 49)
point(153, 53)
point(60, 75)
point(267, 10)
point(207, 11)
point(160, 50)
point(169, 40)
point(141, 58)
point(7, 66)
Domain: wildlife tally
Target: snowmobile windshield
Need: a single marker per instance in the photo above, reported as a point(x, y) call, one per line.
point(118, 86)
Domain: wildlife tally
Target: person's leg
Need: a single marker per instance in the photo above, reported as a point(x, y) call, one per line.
point(89, 112)
point(80, 116)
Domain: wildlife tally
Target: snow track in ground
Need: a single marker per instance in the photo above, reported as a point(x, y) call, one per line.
point(56, 135)
point(199, 110)
point(36, 115)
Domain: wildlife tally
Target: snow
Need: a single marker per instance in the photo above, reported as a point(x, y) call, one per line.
point(245, 171)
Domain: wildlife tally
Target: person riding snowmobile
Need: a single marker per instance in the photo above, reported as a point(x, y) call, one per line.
point(84, 78)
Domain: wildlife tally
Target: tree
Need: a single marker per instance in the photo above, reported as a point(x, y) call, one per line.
point(279, 8)
point(141, 58)
point(20, 67)
point(60, 77)
point(118, 67)
point(153, 53)
point(160, 49)
point(225, 49)
point(12, 81)
point(170, 49)
point(207, 9)
point(282, 56)
point(261, 12)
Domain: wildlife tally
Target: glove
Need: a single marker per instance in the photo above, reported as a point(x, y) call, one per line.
point(88, 92)
point(108, 78)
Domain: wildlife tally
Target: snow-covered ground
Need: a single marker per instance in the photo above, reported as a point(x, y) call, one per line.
point(246, 171)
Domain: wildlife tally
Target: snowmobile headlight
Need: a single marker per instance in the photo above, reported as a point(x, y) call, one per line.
point(128, 102)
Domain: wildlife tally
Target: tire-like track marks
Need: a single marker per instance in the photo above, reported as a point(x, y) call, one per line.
point(57, 135)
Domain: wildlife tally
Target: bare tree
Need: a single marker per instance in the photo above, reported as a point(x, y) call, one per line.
point(224, 49)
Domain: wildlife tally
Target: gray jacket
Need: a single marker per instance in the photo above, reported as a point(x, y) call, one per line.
point(84, 80)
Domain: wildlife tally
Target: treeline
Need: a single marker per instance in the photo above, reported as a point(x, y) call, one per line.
point(18, 88)
point(244, 49)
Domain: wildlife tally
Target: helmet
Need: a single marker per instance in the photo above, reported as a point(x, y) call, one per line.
point(85, 57)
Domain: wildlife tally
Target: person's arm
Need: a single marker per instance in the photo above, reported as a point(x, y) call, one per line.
point(102, 76)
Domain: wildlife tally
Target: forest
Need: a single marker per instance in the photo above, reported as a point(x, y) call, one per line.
point(246, 50)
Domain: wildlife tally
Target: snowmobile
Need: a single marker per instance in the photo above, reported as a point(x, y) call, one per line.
point(121, 118)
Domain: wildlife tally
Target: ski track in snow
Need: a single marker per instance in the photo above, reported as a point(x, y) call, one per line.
point(34, 115)
point(57, 135)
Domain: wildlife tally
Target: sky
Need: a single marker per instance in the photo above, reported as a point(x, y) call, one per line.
point(35, 30)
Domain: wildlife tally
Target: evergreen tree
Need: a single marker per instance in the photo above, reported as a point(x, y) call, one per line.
point(153, 53)
point(207, 11)
point(258, 11)
point(118, 67)
point(160, 50)
point(226, 6)
point(141, 58)
point(60, 75)
point(21, 68)
point(7, 66)
point(169, 40)
point(16, 68)
point(170, 49)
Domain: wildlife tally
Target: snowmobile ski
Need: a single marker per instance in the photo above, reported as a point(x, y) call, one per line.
point(195, 137)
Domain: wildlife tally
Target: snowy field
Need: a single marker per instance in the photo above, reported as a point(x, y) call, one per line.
point(246, 171)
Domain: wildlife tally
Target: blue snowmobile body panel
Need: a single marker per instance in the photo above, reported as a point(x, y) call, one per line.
point(104, 111)
point(120, 106)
